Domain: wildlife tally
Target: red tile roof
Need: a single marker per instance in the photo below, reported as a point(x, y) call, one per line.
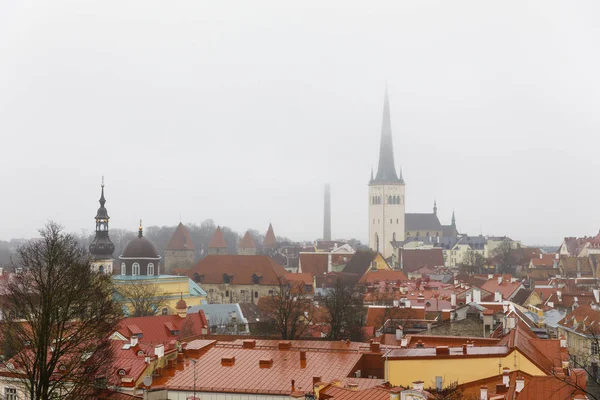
point(314, 264)
point(217, 240)
point(383, 276)
point(245, 375)
point(583, 319)
point(241, 268)
point(181, 239)
point(506, 287)
point(376, 316)
point(270, 240)
point(247, 242)
point(304, 278)
point(547, 260)
point(340, 393)
point(414, 259)
point(154, 328)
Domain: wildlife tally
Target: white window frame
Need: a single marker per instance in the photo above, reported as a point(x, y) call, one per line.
point(10, 394)
point(135, 269)
point(123, 269)
point(150, 269)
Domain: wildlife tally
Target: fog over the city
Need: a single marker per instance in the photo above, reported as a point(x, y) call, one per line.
point(240, 111)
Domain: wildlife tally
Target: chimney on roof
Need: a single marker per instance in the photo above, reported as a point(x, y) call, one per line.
point(596, 295)
point(468, 298)
point(285, 345)
point(133, 341)
point(329, 268)
point(519, 384)
point(442, 350)
point(500, 388)
point(559, 295)
point(249, 344)
point(563, 342)
point(374, 347)
point(476, 295)
point(418, 386)
point(483, 393)
point(399, 332)
point(265, 363)
point(293, 386)
point(420, 344)
point(506, 376)
point(453, 299)
point(498, 297)
point(352, 385)
point(464, 348)
point(500, 280)
point(302, 355)
point(490, 276)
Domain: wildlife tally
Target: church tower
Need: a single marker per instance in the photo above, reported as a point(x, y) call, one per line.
point(101, 247)
point(386, 194)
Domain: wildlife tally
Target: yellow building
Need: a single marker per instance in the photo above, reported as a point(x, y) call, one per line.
point(170, 288)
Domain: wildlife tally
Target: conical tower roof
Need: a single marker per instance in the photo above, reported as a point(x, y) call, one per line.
point(386, 171)
point(247, 242)
point(270, 241)
point(218, 240)
point(181, 239)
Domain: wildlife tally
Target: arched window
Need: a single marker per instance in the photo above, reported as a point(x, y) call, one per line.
point(135, 269)
point(397, 220)
point(150, 269)
point(397, 199)
point(123, 269)
point(391, 200)
point(101, 269)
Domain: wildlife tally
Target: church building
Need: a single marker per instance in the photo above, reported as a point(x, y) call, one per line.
point(389, 224)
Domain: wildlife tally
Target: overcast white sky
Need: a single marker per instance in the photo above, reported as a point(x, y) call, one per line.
point(240, 111)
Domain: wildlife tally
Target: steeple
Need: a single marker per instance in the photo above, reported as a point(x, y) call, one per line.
point(386, 171)
point(434, 207)
point(453, 219)
point(140, 230)
point(102, 247)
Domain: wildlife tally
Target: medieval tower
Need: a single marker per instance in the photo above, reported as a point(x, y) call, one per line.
point(102, 247)
point(386, 194)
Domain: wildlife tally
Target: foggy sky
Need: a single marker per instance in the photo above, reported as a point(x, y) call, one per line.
point(240, 111)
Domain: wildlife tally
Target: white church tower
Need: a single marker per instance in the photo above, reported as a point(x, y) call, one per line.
point(386, 194)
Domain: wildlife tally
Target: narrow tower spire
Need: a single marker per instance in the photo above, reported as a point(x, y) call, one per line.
point(140, 232)
point(386, 171)
point(434, 207)
point(453, 219)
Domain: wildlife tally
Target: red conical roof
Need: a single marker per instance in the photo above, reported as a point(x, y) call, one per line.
point(181, 239)
point(247, 242)
point(270, 240)
point(218, 241)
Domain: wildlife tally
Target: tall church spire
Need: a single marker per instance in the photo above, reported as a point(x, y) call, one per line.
point(386, 171)
point(102, 247)
point(453, 219)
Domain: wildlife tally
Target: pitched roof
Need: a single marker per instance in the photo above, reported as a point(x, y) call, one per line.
point(521, 297)
point(506, 287)
point(546, 260)
point(415, 259)
point(376, 316)
point(181, 239)
point(247, 242)
point(340, 393)
point(241, 269)
point(360, 262)
point(153, 329)
point(217, 240)
point(314, 264)
point(572, 266)
point(270, 240)
point(583, 319)
point(422, 222)
point(382, 276)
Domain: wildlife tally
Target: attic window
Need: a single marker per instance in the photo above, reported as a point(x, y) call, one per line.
point(122, 372)
point(227, 278)
point(140, 352)
point(255, 279)
point(174, 333)
point(62, 368)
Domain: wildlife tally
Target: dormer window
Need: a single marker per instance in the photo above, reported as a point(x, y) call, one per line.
point(122, 372)
point(227, 278)
point(255, 279)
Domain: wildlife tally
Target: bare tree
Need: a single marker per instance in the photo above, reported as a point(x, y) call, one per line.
point(58, 316)
point(144, 298)
point(290, 310)
point(472, 262)
point(451, 391)
point(344, 312)
point(505, 257)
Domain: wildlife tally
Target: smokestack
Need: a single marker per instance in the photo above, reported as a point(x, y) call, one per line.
point(327, 214)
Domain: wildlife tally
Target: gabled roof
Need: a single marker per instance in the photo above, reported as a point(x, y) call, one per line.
point(212, 268)
point(218, 240)
point(414, 259)
point(521, 297)
point(422, 222)
point(181, 239)
point(506, 287)
point(154, 331)
point(314, 263)
point(247, 242)
point(382, 276)
point(360, 262)
point(584, 319)
point(270, 241)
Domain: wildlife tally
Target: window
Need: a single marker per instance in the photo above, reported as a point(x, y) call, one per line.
point(101, 269)
point(227, 293)
point(307, 288)
point(595, 347)
point(391, 221)
point(123, 269)
point(150, 269)
point(373, 220)
point(135, 269)
point(255, 279)
point(397, 221)
point(271, 293)
point(10, 394)
point(226, 278)
point(165, 311)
